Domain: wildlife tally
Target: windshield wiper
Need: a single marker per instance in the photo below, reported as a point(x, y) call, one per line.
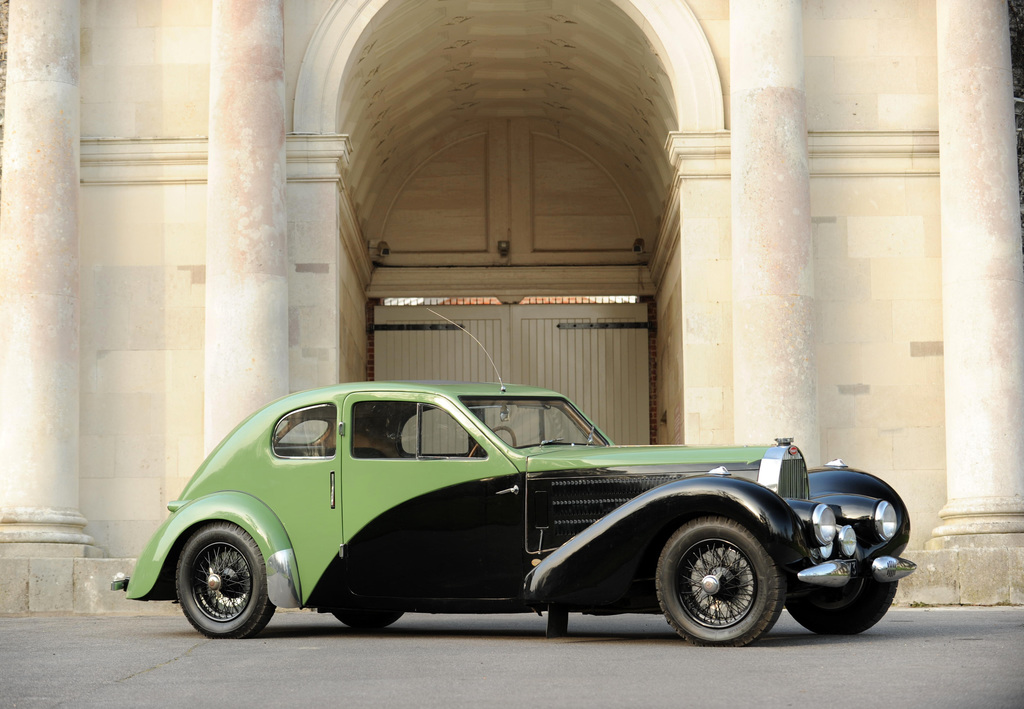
point(552, 440)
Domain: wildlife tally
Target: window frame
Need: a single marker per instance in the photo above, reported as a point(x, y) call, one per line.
point(332, 425)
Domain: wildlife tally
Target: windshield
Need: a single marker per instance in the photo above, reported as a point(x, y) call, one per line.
point(527, 422)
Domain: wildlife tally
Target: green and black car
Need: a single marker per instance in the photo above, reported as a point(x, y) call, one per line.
point(376, 499)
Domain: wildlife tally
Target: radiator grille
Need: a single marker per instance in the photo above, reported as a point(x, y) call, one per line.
point(578, 503)
point(793, 479)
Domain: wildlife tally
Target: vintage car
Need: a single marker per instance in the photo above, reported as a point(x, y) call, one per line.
point(376, 499)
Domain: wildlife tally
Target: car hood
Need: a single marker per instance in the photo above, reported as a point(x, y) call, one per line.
point(651, 458)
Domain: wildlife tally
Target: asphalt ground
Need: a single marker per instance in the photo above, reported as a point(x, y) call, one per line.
point(935, 657)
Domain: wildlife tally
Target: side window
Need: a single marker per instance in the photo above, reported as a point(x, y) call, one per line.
point(306, 433)
point(378, 429)
point(392, 429)
point(441, 436)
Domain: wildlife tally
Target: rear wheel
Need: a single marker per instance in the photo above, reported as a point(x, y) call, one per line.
point(222, 583)
point(717, 585)
point(367, 620)
point(844, 611)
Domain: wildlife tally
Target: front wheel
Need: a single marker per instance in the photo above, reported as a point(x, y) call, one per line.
point(845, 611)
point(222, 583)
point(717, 585)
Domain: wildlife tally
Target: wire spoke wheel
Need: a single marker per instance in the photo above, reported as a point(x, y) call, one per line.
point(221, 582)
point(716, 583)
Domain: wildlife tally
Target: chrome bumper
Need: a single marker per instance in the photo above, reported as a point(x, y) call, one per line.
point(120, 583)
point(836, 574)
point(887, 569)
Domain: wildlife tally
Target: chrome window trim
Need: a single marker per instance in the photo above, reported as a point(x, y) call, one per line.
point(273, 433)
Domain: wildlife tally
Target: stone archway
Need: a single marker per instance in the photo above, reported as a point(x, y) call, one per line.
point(690, 64)
point(403, 79)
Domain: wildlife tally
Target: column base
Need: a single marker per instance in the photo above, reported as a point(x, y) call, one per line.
point(969, 576)
point(47, 526)
point(975, 541)
point(986, 517)
point(34, 550)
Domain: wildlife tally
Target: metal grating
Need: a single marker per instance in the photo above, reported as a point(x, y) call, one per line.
point(793, 481)
point(578, 503)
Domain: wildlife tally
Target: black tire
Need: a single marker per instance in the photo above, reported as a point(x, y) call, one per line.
point(844, 611)
point(367, 620)
point(222, 582)
point(747, 590)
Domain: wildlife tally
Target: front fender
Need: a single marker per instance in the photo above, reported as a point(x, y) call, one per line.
point(855, 493)
point(153, 577)
point(597, 566)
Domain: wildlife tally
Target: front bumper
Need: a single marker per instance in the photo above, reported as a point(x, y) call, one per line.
point(837, 573)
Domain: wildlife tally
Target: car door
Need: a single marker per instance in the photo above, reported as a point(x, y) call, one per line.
point(431, 507)
point(305, 470)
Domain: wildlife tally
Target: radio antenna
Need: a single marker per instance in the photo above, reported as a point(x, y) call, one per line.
point(496, 373)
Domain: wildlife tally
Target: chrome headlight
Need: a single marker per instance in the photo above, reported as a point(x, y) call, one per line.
point(821, 553)
point(885, 521)
point(823, 519)
point(847, 541)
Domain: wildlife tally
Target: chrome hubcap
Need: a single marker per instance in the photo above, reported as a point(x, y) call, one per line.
point(213, 581)
point(711, 584)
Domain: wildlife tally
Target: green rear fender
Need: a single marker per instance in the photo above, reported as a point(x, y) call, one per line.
point(153, 577)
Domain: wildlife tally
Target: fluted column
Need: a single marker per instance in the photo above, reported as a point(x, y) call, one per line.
point(774, 373)
point(246, 239)
point(982, 279)
point(39, 310)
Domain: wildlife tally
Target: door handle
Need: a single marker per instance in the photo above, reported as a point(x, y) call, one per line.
point(332, 490)
point(514, 490)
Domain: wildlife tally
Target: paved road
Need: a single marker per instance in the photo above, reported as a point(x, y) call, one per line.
point(914, 658)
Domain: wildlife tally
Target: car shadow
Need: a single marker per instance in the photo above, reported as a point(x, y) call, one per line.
point(789, 637)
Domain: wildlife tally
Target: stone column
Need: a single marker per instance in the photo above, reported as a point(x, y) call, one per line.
point(774, 373)
point(982, 279)
point(39, 321)
point(246, 237)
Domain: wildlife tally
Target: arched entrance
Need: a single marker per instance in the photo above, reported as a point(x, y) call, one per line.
point(508, 149)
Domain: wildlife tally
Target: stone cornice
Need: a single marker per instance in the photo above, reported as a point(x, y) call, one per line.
point(830, 153)
point(114, 161)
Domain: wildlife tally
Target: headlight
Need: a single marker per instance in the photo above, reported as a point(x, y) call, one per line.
point(823, 519)
point(847, 540)
point(819, 554)
point(885, 521)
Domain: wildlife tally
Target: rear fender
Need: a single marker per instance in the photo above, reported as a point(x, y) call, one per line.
point(597, 566)
point(153, 577)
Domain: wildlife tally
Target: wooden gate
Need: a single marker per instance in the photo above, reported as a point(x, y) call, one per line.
point(597, 355)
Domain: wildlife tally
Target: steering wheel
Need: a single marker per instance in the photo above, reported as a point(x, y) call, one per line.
point(509, 431)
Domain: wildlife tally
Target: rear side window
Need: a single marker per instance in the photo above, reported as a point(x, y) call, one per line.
point(307, 433)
